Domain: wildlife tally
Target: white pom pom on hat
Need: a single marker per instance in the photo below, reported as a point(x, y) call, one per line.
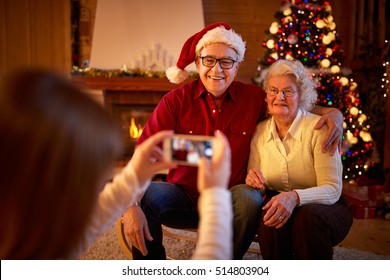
point(219, 32)
point(176, 75)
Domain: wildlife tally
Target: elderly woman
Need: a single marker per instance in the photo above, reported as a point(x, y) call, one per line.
point(304, 213)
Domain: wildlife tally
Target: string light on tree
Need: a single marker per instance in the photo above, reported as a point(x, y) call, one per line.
point(386, 65)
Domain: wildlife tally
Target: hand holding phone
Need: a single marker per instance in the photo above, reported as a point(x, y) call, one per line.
point(187, 149)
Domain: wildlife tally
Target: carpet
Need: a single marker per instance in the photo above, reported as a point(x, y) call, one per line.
point(106, 247)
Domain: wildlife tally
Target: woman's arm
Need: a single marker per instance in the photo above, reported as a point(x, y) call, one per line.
point(215, 234)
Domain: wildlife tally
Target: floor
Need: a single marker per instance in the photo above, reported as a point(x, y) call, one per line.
point(371, 235)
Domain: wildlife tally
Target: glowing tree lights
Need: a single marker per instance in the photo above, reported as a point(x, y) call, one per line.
point(305, 30)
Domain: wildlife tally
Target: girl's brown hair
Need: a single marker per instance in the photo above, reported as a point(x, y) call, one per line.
point(56, 144)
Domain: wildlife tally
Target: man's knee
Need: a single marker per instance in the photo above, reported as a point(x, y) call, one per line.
point(247, 202)
point(246, 194)
point(157, 196)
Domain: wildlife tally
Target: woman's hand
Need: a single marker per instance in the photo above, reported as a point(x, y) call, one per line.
point(147, 159)
point(255, 179)
point(280, 208)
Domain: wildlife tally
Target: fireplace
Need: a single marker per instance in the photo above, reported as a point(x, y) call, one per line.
point(132, 119)
point(130, 101)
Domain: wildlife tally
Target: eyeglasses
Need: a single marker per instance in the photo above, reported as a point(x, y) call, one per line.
point(286, 92)
point(225, 63)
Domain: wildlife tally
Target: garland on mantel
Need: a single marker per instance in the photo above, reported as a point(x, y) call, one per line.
point(123, 72)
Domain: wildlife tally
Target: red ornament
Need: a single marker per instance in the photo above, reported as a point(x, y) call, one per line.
point(270, 60)
point(347, 100)
point(337, 83)
point(336, 48)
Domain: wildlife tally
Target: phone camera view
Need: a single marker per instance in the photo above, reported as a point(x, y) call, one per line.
point(190, 151)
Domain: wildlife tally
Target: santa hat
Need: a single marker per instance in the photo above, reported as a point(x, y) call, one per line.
point(219, 32)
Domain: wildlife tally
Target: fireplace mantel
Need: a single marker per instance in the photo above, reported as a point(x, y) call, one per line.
point(119, 91)
point(125, 83)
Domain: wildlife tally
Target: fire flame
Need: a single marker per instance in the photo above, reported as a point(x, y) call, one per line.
point(134, 130)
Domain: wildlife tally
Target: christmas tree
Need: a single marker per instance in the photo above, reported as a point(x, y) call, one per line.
point(304, 30)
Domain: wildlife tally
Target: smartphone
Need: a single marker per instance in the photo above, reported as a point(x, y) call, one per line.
point(187, 149)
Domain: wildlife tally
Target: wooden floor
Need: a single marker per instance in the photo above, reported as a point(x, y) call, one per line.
point(370, 235)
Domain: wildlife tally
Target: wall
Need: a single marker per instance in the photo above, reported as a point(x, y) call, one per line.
point(35, 33)
point(145, 34)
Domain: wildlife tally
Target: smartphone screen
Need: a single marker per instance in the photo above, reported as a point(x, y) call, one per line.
point(188, 149)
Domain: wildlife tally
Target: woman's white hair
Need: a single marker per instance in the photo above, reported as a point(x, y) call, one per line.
point(306, 85)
